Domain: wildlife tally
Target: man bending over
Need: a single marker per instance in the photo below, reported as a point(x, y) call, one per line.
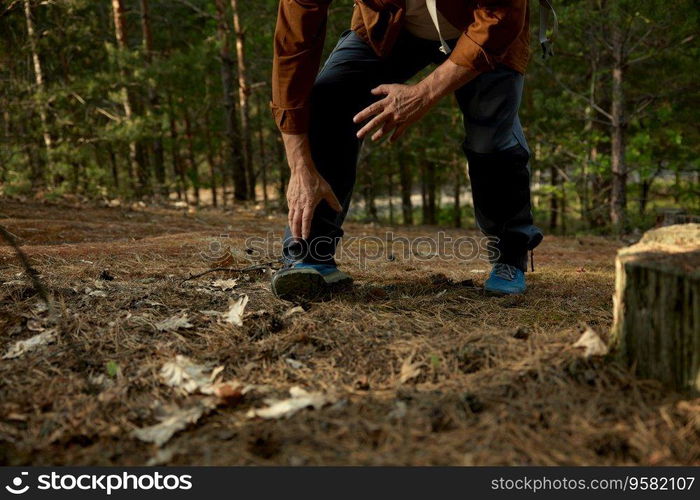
point(480, 49)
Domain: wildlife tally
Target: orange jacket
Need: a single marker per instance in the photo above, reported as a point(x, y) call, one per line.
point(495, 31)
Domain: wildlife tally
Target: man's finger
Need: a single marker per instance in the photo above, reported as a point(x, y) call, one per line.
point(290, 219)
point(374, 123)
point(370, 110)
point(386, 128)
point(306, 218)
point(381, 90)
point(296, 223)
point(399, 132)
point(332, 200)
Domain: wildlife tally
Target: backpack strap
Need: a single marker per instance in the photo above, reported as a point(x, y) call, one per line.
point(432, 9)
point(547, 42)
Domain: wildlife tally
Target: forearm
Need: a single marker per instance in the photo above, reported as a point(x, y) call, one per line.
point(446, 78)
point(298, 152)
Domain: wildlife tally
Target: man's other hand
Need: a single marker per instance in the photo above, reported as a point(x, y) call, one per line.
point(402, 106)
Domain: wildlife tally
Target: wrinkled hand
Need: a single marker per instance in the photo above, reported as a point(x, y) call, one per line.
point(305, 191)
point(306, 187)
point(403, 106)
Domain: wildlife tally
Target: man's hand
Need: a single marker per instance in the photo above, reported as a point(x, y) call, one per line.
point(306, 187)
point(406, 104)
point(403, 106)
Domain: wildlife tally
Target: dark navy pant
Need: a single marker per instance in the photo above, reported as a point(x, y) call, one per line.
point(495, 145)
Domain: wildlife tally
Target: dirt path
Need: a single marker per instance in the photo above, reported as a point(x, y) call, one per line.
point(485, 380)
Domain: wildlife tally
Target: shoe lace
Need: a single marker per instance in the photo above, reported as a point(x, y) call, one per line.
point(505, 271)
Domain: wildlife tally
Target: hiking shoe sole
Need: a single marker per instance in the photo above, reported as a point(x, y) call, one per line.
point(303, 284)
point(298, 284)
point(337, 280)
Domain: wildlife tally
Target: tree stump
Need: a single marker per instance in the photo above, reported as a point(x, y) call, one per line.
point(657, 306)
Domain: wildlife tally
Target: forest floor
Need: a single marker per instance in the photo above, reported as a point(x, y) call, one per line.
point(412, 366)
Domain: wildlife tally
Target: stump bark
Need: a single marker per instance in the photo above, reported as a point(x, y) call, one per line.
point(657, 306)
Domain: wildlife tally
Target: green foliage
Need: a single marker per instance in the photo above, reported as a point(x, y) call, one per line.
point(177, 88)
point(112, 368)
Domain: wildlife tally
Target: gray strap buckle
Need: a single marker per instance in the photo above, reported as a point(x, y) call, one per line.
point(547, 41)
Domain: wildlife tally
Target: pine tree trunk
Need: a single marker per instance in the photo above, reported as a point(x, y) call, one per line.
point(210, 159)
point(677, 187)
point(37, 176)
point(430, 188)
point(369, 191)
point(178, 169)
point(590, 114)
point(564, 203)
point(406, 189)
point(657, 306)
point(234, 157)
point(244, 100)
point(262, 149)
point(191, 158)
point(457, 215)
point(153, 102)
point(618, 197)
point(390, 190)
point(139, 172)
point(554, 199)
point(644, 196)
point(113, 165)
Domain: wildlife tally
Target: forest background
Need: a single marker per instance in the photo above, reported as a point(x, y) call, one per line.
point(168, 102)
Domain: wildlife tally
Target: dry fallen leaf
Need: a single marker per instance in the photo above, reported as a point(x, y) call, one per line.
point(225, 285)
point(592, 343)
point(162, 456)
point(399, 411)
point(174, 323)
point(187, 376)
point(40, 307)
point(409, 370)
point(23, 346)
point(34, 325)
point(292, 311)
point(300, 399)
point(297, 365)
point(235, 312)
point(173, 420)
point(230, 393)
point(13, 282)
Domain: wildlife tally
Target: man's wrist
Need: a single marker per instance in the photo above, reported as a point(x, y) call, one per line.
point(298, 152)
point(428, 92)
point(445, 79)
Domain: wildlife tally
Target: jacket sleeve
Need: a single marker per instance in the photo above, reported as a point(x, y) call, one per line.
point(298, 45)
point(497, 23)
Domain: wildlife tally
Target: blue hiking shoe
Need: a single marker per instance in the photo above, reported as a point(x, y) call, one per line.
point(302, 281)
point(505, 280)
